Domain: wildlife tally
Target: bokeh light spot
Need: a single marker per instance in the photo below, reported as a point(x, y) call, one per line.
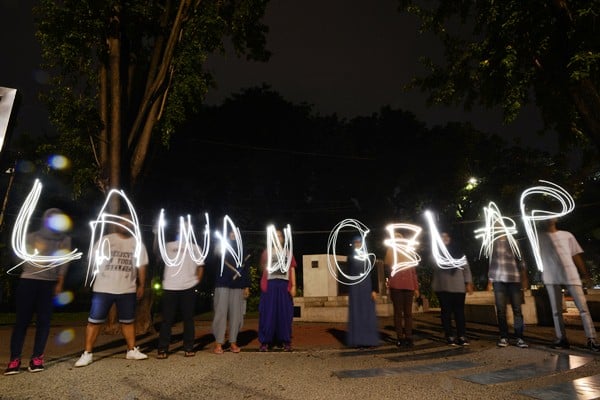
point(64, 298)
point(59, 222)
point(65, 336)
point(58, 162)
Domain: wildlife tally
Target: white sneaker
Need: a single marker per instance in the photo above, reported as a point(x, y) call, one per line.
point(85, 359)
point(503, 342)
point(135, 354)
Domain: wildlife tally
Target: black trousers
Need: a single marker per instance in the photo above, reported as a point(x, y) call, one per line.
point(186, 301)
point(452, 304)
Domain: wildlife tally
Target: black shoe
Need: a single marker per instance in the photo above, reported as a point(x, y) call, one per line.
point(450, 340)
point(561, 344)
point(593, 345)
point(462, 341)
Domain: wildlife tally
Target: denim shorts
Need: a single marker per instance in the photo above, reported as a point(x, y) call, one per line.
point(101, 303)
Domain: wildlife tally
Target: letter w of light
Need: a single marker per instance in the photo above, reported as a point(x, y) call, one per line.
point(186, 245)
point(283, 251)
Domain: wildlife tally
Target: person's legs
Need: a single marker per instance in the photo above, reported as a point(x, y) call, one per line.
point(101, 303)
point(446, 312)
point(236, 298)
point(407, 304)
point(266, 316)
point(187, 301)
point(500, 298)
point(458, 307)
point(91, 334)
point(397, 305)
point(126, 315)
point(555, 297)
point(43, 313)
point(219, 324)
point(516, 298)
point(586, 319)
point(25, 304)
point(169, 307)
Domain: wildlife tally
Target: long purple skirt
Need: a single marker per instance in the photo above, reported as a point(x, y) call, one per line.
point(276, 311)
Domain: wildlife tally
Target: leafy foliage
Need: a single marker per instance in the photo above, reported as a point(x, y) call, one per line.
point(160, 47)
point(510, 53)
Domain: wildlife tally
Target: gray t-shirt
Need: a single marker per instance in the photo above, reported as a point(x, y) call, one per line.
point(46, 244)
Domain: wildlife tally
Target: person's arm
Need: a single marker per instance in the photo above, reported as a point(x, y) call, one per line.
point(200, 272)
point(583, 272)
point(293, 281)
point(141, 281)
point(60, 281)
point(468, 279)
point(524, 276)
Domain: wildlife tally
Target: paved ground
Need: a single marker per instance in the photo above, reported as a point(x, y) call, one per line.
point(319, 368)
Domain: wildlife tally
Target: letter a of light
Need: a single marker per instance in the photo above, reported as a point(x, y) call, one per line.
point(496, 227)
point(100, 252)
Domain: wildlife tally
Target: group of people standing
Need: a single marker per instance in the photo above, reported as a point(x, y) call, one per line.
point(507, 278)
point(120, 279)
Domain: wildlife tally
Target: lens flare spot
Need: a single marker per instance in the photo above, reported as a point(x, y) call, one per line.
point(58, 162)
point(64, 298)
point(59, 222)
point(65, 336)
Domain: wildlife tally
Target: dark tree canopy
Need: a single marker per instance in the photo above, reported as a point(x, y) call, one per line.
point(510, 53)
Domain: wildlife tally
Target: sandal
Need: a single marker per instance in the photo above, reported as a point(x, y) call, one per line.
point(234, 348)
point(218, 350)
point(190, 353)
point(162, 354)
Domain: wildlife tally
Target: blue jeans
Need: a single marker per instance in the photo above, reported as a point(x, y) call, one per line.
point(509, 292)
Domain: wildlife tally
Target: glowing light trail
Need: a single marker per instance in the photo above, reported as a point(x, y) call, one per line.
point(225, 246)
point(283, 251)
point(440, 253)
point(403, 246)
point(100, 252)
point(496, 227)
point(361, 253)
point(19, 237)
point(549, 190)
point(186, 244)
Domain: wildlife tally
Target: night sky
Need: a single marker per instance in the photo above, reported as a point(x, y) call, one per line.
point(344, 57)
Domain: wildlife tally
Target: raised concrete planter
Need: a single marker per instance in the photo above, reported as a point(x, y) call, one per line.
point(480, 307)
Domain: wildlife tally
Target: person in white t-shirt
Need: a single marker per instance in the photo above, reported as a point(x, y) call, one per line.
point(119, 280)
point(562, 262)
point(179, 290)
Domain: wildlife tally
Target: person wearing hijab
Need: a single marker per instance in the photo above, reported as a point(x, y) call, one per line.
point(362, 318)
point(36, 290)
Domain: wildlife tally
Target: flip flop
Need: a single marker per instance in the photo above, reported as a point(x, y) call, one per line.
point(162, 355)
point(235, 349)
point(189, 353)
point(218, 350)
